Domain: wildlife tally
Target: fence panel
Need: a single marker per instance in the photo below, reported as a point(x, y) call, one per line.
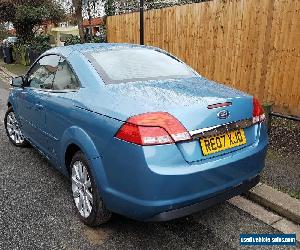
point(252, 45)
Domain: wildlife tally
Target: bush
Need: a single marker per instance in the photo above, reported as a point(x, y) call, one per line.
point(72, 40)
point(20, 54)
point(40, 43)
point(98, 39)
point(88, 38)
point(26, 53)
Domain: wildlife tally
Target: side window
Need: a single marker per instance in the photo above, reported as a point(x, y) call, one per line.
point(64, 78)
point(42, 74)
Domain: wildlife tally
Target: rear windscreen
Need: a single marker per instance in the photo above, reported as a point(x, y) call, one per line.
point(137, 64)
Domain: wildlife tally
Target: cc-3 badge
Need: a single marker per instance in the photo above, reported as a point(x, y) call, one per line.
point(223, 114)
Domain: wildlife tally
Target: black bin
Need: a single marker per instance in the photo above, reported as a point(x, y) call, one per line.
point(1, 51)
point(7, 55)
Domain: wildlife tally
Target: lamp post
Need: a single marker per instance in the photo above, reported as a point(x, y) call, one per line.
point(142, 22)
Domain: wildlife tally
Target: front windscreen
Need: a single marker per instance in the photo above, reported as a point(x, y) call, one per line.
point(137, 64)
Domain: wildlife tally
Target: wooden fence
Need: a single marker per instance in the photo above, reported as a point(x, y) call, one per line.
point(252, 45)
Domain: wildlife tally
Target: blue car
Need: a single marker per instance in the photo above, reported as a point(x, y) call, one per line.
point(138, 132)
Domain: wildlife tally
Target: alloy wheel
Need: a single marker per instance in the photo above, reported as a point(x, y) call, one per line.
point(13, 129)
point(82, 189)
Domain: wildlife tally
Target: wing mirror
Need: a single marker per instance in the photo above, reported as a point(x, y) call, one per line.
point(17, 81)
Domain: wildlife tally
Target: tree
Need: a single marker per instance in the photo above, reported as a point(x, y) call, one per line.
point(77, 4)
point(125, 6)
point(86, 6)
point(109, 7)
point(27, 14)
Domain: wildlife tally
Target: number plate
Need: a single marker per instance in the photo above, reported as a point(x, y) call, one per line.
point(214, 144)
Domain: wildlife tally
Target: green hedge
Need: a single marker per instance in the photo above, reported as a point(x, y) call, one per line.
point(25, 53)
point(20, 54)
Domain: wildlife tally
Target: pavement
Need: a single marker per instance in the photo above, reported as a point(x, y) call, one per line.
point(37, 213)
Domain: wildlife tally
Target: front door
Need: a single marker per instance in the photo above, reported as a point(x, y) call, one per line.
point(60, 105)
point(32, 109)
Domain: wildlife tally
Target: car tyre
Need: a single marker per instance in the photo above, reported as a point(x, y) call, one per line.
point(88, 203)
point(13, 129)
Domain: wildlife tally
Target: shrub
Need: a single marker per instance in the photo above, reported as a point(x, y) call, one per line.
point(72, 40)
point(25, 53)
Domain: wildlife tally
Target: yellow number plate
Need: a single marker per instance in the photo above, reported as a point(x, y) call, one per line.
point(231, 139)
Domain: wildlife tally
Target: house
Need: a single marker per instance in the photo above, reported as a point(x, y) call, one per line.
point(93, 25)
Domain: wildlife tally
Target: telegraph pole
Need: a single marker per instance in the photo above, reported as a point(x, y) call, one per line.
point(142, 22)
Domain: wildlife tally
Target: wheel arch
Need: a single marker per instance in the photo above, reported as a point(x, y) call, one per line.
point(74, 139)
point(11, 102)
point(76, 136)
point(69, 154)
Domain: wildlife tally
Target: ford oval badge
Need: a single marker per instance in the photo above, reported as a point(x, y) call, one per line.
point(223, 114)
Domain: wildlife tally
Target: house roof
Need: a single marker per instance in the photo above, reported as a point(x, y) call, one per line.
point(94, 22)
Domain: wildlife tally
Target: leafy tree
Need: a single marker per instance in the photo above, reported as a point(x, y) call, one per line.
point(28, 14)
point(124, 6)
point(109, 7)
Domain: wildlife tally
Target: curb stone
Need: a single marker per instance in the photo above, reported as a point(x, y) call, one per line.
point(270, 218)
point(8, 73)
point(277, 201)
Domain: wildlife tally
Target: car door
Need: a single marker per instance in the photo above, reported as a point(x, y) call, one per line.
point(32, 110)
point(60, 108)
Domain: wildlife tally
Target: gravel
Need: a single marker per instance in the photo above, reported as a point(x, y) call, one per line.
point(285, 136)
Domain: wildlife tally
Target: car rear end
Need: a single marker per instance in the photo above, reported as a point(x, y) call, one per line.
point(164, 165)
point(184, 143)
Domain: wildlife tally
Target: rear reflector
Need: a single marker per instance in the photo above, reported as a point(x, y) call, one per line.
point(154, 128)
point(258, 113)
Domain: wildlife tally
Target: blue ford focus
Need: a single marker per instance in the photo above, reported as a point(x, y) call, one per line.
point(138, 132)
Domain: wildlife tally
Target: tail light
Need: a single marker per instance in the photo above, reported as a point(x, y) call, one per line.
point(154, 128)
point(258, 112)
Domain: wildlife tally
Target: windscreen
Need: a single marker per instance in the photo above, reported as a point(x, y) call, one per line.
point(136, 64)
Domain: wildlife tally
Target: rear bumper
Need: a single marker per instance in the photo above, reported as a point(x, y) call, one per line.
point(145, 183)
point(187, 210)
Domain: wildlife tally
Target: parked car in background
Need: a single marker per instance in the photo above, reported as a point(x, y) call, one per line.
point(138, 132)
point(10, 40)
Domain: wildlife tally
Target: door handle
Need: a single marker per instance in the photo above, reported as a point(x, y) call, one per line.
point(39, 107)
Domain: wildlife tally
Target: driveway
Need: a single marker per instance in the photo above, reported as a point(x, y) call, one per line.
point(37, 212)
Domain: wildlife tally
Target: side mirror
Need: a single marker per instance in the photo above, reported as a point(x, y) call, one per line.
point(17, 81)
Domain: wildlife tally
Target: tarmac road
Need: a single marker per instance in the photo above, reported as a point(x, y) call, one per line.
point(36, 212)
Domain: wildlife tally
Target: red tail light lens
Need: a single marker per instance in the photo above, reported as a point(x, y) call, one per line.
point(153, 129)
point(258, 112)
